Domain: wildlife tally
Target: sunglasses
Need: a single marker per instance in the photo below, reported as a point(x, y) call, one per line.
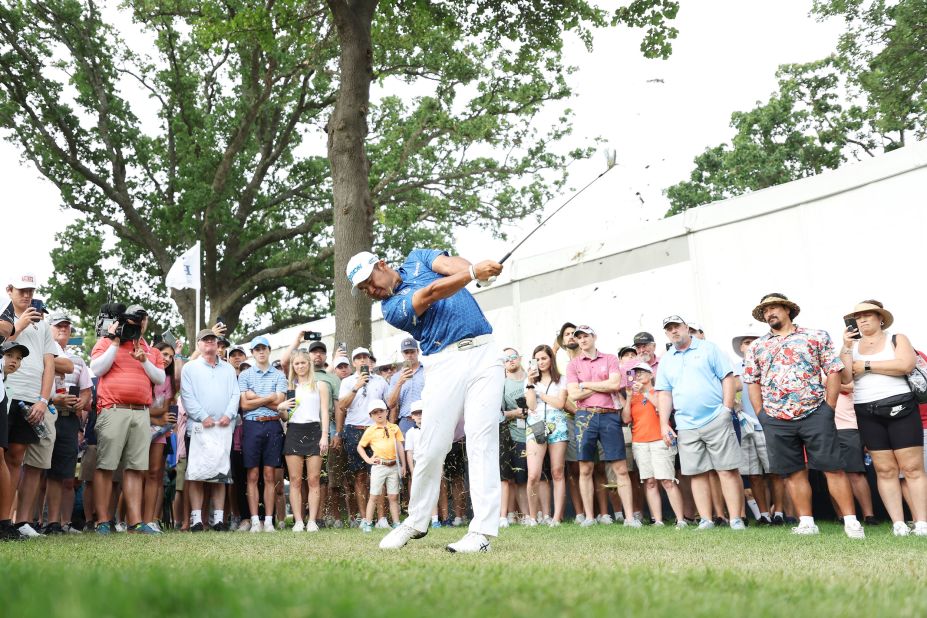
point(510, 357)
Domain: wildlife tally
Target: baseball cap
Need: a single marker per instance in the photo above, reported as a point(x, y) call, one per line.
point(24, 281)
point(376, 404)
point(416, 406)
point(584, 329)
point(206, 332)
point(237, 348)
point(316, 345)
point(341, 360)
point(260, 340)
point(358, 351)
point(408, 344)
point(643, 338)
point(136, 310)
point(627, 348)
point(58, 317)
point(359, 268)
point(14, 345)
point(673, 319)
point(643, 367)
point(694, 326)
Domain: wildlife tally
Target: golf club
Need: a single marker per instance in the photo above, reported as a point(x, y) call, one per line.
point(610, 163)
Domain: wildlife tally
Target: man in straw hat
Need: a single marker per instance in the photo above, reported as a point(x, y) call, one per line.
point(783, 371)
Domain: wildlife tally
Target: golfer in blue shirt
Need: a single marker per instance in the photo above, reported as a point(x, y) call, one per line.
point(463, 377)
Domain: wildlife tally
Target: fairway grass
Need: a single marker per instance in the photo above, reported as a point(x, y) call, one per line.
point(568, 571)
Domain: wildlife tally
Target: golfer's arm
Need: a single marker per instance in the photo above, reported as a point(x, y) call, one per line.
point(448, 265)
point(444, 287)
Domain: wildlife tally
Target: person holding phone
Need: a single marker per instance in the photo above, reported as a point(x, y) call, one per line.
point(30, 390)
point(546, 393)
point(886, 409)
point(165, 394)
point(406, 386)
point(306, 412)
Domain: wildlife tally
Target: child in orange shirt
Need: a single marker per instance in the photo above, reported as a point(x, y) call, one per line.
point(382, 437)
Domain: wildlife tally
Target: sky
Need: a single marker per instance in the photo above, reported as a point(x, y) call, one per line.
point(657, 115)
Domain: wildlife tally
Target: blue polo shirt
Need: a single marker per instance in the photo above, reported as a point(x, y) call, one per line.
point(410, 392)
point(262, 384)
point(447, 321)
point(694, 377)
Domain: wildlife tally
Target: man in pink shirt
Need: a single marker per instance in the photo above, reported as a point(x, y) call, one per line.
point(593, 380)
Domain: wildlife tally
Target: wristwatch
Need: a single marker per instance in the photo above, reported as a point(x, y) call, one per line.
point(43, 400)
point(866, 367)
point(531, 386)
point(337, 434)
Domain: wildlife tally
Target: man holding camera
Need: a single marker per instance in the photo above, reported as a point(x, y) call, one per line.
point(29, 389)
point(352, 417)
point(127, 371)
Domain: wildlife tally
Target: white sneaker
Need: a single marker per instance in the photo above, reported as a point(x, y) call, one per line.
point(855, 530)
point(658, 524)
point(553, 523)
point(511, 518)
point(546, 521)
point(245, 525)
point(619, 518)
point(28, 532)
point(681, 524)
point(270, 528)
point(920, 528)
point(706, 524)
point(899, 528)
point(737, 524)
point(805, 529)
point(633, 523)
point(154, 526)
point(503, 522)
point(471, 543)
point(399, 536)
point(530, 522)
point(382, 523)
point(256, 527)
point(458, 522)
point(579, 519)
point(121, 526)
point(587, 523)
point(605, 519)
point(72, 530)
point(312, 527)
point(299, 527)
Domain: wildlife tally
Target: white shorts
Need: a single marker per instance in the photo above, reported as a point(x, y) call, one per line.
point(655, 460)
point(384, 475)
point(756, 458)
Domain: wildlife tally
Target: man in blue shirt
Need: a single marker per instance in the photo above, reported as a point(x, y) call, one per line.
point(262, 388)
point(696, 380)
point(406, 386)
point(463, 378)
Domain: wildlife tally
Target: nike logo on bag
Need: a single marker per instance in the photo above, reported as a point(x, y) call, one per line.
point(896, 410)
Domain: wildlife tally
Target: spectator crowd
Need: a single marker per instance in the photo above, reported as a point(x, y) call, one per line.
point(141, 438)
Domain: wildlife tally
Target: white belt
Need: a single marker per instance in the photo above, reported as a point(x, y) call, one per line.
point(467, 344)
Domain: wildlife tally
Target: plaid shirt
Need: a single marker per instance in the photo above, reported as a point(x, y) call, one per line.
point(790, 369)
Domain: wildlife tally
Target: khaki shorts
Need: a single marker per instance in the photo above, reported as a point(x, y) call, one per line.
point(655, 460)
point(123, 436)
point(39, 455)
point(88, 463)
point(181, 469)
point(711, 447)
point(756, 457)
point(384, 475)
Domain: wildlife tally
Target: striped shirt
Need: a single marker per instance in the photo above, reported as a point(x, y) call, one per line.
point(126, 382)
point(262, 384)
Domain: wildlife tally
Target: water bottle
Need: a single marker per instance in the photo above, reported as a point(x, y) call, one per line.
point(41, 429)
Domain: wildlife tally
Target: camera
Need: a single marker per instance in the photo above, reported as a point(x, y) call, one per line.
point(310, 335)
point(115, 313)
point(521, 402)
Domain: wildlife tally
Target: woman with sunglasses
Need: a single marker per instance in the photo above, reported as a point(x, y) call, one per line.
point(306, 439)
point(546, 393)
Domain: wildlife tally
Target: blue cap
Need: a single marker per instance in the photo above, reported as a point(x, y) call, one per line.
point(262, 340)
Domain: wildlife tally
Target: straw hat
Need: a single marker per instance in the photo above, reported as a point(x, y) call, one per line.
point(887, 317)
point(775, 299)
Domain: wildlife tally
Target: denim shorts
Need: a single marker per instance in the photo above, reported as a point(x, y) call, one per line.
point(605, 429)
point(352, 437)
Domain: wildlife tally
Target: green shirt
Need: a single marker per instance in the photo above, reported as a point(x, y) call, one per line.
point(334, 384)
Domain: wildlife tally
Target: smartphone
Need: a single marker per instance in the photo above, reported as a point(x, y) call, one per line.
point(532, 365)
point(74, 390)
point(343, 346)
point(291, 394)
point(407, 364)
point(365, 369)
point(220, 319)
point(169, 338)
point(309, 335)
point(38, 306)
point(851, 322)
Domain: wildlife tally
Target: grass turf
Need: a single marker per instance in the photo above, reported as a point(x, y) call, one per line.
point(568, 571)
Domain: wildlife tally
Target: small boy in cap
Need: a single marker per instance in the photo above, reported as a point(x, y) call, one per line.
point(13, 354)
point(385, 464)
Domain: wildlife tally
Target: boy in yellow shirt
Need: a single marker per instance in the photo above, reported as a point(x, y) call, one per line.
point(382, 437)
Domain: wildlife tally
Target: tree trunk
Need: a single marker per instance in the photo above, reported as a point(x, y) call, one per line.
point(347, 133)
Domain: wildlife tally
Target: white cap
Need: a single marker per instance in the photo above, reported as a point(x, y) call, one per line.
point(24, 281)
point(360, 351)
point(376, 404)
point(341, 360)
point(643, 367)
point(359, 268)
point(417, 406)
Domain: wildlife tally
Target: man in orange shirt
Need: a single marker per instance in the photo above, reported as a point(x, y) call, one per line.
point(126, 370)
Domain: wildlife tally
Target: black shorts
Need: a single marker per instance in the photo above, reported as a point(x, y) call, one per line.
point(815, 434)
point(20, 431)
point(455, 464)
point(64, 454)
point(262, 444)
point(851, 450)
point(352, 437)
point(4, 425)
point(302, 439)
point(890, 434)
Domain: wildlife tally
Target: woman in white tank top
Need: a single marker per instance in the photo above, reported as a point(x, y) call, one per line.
point(886, 410)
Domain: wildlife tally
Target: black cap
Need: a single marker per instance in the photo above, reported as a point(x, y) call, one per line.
point(318, 345)
point(643, 338)
point(14, 345)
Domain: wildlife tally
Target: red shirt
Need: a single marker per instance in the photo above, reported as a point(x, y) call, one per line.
point(598, 369)
point(126, 382)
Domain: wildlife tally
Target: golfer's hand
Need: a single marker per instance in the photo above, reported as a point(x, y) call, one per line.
point(208, 422)
point(486, 269)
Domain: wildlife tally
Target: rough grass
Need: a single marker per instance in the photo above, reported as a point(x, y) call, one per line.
point(601, 571)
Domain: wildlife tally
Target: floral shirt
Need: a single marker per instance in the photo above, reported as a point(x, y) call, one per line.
point(790, 369)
